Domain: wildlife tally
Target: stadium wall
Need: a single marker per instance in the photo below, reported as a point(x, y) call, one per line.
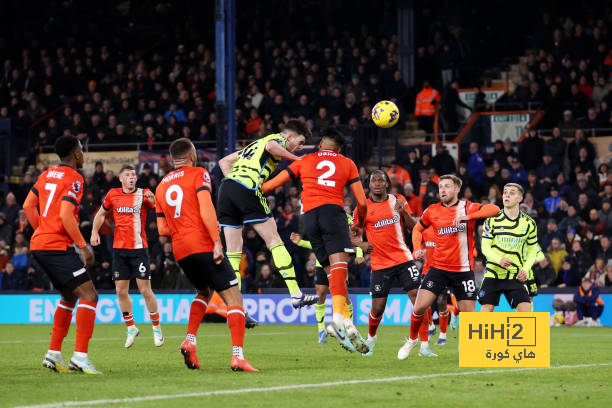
point(267, 308)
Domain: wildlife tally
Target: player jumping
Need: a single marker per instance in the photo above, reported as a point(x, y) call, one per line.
point(185, 212)
point(130, 255)
point(392, 261)
point(241, 201)
point(324, 175)
point(510, 244)
point(454, 221)
point(52, 207)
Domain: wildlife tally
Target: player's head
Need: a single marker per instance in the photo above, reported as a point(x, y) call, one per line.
point(513, 195)
point(378, 183)
point(127, 177)
point(448, 188)
point(183, 152)
point(296, 134)
point(69, 150)
point(331, 139)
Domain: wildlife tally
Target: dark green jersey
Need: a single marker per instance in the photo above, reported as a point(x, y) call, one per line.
point(515, 239)
point(255, 163)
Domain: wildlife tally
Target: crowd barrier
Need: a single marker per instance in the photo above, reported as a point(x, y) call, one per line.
point(266, 308)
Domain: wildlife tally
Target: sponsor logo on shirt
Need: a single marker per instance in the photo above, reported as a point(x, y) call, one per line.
point(451, 230)
point(126, 210)
point(387, 221)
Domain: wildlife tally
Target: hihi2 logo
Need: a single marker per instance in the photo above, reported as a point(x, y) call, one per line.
point(504, 340)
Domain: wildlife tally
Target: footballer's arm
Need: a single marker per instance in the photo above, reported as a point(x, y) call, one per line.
point(280, 179)
point(360, 198)
point(275, 149)
point(227, 163)
point(97, 224)
point(71, 226)
point(209, 218)
point(30, 207)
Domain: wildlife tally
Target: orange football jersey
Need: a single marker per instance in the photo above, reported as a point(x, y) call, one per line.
point(130, 214)
point(384, 229)
point(176, 200)
point(324, 175)
point(453, 245)
point(54, 185)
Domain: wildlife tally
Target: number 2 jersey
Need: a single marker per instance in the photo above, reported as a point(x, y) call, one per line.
point(176, 200)
point(453, 244)
point(384, 229)
point(130, 214)
point(54, 185)
point(324, 175)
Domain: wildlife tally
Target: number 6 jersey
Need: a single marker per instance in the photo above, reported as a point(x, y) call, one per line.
point(177, 202)
point(324, 175)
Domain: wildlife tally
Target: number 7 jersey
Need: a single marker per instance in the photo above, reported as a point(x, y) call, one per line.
point(324, 175)
point(176, 200)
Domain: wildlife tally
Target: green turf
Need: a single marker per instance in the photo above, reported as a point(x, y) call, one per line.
point(289, 355)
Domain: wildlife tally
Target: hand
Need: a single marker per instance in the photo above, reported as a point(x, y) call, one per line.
point(87, 257)
point(150, 196)
point(460, 219)
point(419, 254)
point(505, 263)
point(359, 260)
point(399, 205)
point(356, 229)
point(95, 239)
point(522, 276)
point(366, 247)
point(218, 252)
point(295, 238)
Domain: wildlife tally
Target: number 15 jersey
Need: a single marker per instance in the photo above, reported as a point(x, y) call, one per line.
point(176, 200)
point(324, 175)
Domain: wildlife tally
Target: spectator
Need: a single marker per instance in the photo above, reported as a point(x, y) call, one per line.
point(552, 232)
point(103, 276)
point(571, 221)
point(11, 279)
point(427, 189)
point(402, 176)
point(556, 253)
point(591, 121)
point(588, 304)
point(568, 125)
point(552, 201)
point(450, 103)
point(544, 273)
point(531, 150)
point(427, 102)
point(574, 148)
point(6, 230)
point(266, 279)
point(442, 161)
point(518, 173)
point(475, 165)
point(594, 224)
point(35, 280)
point(555, 146)
point(604, 250)
point(547, 172)
point(580, 258)
point(606, 280)
point(569, 274)
point(596, 271)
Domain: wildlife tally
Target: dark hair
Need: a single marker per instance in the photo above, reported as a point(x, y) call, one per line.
point(180, 147)
point(65, 145)
point(298, 127)
point(335, 135)
point(126, 167)
point(385, 175)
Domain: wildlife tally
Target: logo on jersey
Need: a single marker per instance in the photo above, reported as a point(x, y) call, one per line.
point(451, 230)
point(126, 210)
point(387, 221)
point(76, 186)
point(429, 284)
point(377, 288)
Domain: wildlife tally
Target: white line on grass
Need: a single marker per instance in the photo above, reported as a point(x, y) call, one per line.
point(298, 386)
point(145, 337)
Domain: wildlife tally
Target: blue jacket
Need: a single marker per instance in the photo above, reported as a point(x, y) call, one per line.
point(519, 176)
point(551, 203)
point(179, 114)
point(589, 297)
point(476, 167)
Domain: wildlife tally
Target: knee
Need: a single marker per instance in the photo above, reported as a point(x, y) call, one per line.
point(378, 310)
point(90, 296)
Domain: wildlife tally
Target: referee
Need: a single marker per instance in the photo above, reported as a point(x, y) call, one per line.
point(509, 242)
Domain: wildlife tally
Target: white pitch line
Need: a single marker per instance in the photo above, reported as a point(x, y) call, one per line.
point(299, 386)
point(145, 337)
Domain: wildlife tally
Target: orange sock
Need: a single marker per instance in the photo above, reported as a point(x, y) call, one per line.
point(374, 321)
point(235, 321)
point(424, 329)
point(85, 320)
point(196, 314)
point(128, 318)
point(444, 321)
point(415, 325)
point(429, 316)
point(61, 324)
point(337, 288)
point(154, 318)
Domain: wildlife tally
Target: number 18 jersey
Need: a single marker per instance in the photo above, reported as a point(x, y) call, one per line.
point(176, 200)
point(324, 175)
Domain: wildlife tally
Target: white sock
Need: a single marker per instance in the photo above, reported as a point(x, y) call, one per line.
point(191, 338)
point(442, 336)
point(78, 354)
point(297, 294)
point(424, 345)
point(348, 323)
point(370, 337)
point(237, 351)
point(55, 352)
point(338, 319)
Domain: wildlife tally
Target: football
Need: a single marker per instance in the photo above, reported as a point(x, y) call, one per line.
point(385, 114)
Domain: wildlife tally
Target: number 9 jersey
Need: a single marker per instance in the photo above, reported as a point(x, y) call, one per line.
point(324, 175)
point(176, 200)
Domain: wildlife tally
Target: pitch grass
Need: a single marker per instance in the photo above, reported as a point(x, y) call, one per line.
point(289, 355)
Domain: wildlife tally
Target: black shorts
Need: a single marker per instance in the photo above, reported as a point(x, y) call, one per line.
point(461, 283)
point(492, 288)
point(532, 287)
point(327, 229)
point(238, 205)
point(64, 268)
point(204, 273)
point(406, 276)
point(131, 263)
point(320, 277)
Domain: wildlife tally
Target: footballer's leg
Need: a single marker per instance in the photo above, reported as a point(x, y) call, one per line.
point(125, 304)
point(376, 314)
point(321, 291)
point(144, 286)
point(268, 232)
point(85, 320)
point(443, 319)
point(196, 314)
point(424, 300)
point(61, 324)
